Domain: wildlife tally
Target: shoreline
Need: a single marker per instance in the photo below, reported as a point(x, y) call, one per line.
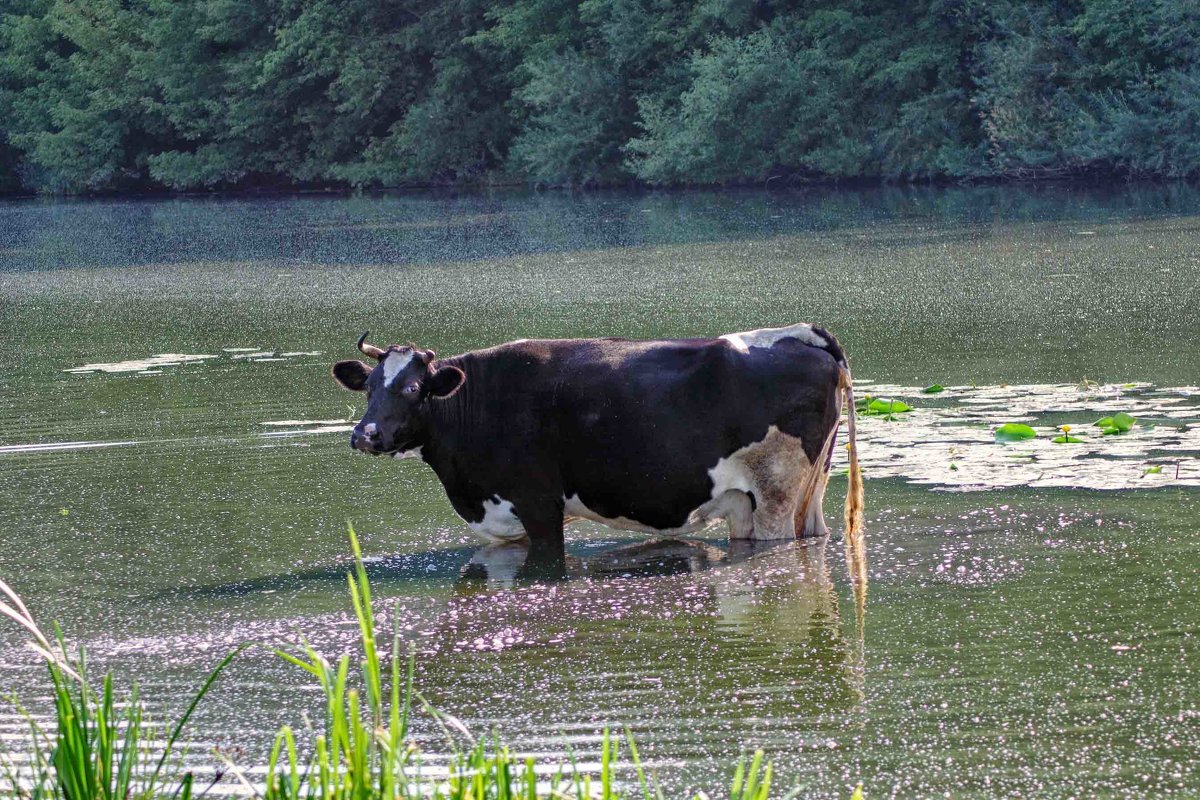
point(775, 185)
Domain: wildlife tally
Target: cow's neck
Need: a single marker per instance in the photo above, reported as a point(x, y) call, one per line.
point(445, 433)
point(438, 452)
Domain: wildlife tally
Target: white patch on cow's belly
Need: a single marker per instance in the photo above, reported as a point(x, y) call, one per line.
point(767, 337)
point(394, 363)
point(499, 523)
point(707, 515)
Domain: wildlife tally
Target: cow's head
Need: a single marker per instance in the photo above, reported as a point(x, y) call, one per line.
point(399, 389)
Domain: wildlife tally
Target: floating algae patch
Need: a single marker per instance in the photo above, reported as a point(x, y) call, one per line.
point(949, 442)
point(259, 356)
point(303, 427)
point(144, 364)
point(295, 423)
point(152, 365)
point(52, 447)
point(338, 427)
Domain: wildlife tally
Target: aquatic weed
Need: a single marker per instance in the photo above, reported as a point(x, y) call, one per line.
point(101, 746)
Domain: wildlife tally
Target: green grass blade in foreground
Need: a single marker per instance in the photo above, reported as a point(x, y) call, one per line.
point(643, 784)
point(753, 783)
point(97, 751)
point(187, 714)
point(360, 597)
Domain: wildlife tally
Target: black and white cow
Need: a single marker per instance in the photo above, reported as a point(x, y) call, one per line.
point(655, 436)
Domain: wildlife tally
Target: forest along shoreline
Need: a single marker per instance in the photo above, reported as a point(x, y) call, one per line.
point(204, 94)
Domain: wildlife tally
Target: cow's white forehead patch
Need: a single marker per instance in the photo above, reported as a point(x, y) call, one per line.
point(394, 363)
point(767, 337)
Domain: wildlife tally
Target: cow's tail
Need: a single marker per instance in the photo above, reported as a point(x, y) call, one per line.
point(854, 491)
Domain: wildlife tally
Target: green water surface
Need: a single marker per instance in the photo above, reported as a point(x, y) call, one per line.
point(1015, 642)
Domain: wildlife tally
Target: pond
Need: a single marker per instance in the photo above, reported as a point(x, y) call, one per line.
point(175, 477)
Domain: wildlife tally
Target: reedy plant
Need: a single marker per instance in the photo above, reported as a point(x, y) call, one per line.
point(101, 748)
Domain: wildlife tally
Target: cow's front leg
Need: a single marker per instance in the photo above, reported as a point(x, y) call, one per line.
point(543, 522)
point(547, 561)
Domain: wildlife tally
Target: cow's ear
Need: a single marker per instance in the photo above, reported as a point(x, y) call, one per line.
point(445, 382)
point(351, 374)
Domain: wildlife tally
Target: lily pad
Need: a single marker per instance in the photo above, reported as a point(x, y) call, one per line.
point(1067, 439)
point(1014, 432)
point(1117, 423)
point(876, 407)
point(1155, 470)
point(934, 389)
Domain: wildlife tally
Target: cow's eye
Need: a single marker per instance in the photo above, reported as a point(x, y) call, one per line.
point(411, 389)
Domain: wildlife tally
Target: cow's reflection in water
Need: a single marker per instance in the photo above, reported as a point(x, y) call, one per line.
point(770, 606)
point(507, 564)
point(755, 644)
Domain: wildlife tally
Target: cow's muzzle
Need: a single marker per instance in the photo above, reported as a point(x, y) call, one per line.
point(366, 438)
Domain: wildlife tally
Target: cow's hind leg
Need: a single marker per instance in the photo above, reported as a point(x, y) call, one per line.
point(776, 465)
point(810, 516)
point(774, 521)
point(739, 514)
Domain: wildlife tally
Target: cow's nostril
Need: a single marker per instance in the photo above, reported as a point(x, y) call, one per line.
point(361, 440)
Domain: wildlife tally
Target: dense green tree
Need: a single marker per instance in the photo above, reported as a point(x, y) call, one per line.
point(10, 157)
point(1029, 106)
point(583, 69)
point(206, 64)
point(454, 124)
point(844, 91)
point(75, 103)
point(1141, 63)
point(103, 95)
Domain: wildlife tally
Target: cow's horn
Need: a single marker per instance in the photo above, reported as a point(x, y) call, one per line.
point(369, 349)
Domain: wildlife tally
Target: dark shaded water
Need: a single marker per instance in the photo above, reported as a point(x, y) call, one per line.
point(1033, 636)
